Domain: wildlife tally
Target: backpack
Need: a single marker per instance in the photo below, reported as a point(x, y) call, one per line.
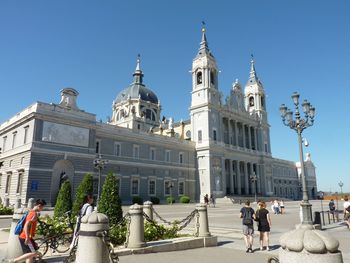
point(247, 217)
point(20, 224)
point(348, 208)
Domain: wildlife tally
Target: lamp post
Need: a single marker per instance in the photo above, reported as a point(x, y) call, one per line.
point(99, 164)
point(254, 178)
point(341, 184)
point(299, 124)
point(321, 195)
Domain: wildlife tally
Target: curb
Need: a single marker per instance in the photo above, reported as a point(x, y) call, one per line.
point(6, 216)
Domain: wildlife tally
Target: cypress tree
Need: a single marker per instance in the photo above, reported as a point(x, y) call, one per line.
point(110, 203)
point(84, 188)
point(64, 200)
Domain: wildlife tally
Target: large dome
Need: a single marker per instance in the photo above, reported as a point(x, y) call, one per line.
point(135, 91)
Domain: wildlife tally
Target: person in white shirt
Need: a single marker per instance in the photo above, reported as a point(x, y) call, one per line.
point(346, 212)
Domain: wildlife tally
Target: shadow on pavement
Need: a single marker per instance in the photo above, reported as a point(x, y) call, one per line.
point(221, 243)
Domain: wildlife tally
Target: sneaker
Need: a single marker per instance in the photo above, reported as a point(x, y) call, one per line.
point(247, 251)
point(261, 248)
point(250, 250)
point(267, 248)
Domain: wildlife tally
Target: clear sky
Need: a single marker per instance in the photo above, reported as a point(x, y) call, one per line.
point(92, 46)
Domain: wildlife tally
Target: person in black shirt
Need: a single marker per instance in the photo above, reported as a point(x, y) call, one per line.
point(247, 214)
point(264, 224)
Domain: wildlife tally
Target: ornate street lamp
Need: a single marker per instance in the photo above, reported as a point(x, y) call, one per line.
point(299, 124)
point(341, 184)
point(171, 185)
point(253, 179)
point(99, 164)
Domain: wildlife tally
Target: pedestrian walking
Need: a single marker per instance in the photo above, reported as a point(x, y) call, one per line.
point(262, 216)
point(85, 209)
point(212, 199)
point(281, 203)
point(247, 214)
point(347, 212)
point(26, 237)
point(206, 199)
point(276, 207)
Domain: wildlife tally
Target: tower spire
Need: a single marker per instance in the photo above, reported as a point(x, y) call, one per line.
point(253, 78)
point(204, 43)
point(138, 75)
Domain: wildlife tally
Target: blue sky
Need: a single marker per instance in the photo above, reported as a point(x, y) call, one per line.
point(92, 46)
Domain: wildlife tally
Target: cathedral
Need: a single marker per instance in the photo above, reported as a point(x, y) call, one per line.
point(224, 148)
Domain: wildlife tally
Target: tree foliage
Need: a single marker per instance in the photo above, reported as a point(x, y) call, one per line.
point(84, 188)
point(64, 200)
point(109, 203)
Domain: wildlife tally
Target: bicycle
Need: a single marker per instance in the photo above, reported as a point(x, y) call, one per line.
point(57, 243)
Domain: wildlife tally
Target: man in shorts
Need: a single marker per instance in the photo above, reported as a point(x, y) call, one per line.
point(248, 215)
point(26, 238)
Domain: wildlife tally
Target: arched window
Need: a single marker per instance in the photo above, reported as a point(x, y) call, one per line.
point(212, 77)
point(251, 101)
point(199, 77)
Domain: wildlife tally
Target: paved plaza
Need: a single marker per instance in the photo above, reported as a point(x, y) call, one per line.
point(225, 223)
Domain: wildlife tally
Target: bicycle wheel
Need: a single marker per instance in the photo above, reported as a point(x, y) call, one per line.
point(43, 246)
point(63, 242)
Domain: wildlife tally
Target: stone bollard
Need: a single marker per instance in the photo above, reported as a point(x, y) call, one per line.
point(305, 244)
point(31, 203)
point(14, 248)
point(203, 220)
point(6, 202)
point(136, 228)
point(18, 203)
point(91, 248)
point(148, 209)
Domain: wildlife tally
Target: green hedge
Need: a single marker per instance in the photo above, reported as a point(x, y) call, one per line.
point(170, 200)
point(137, 200)
point(6, 210)
point(84, 188)
point(155, 200)
point(184, 199)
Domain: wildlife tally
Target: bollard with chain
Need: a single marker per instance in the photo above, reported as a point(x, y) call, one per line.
point(148, 209)
point(18, 203)
point(136, 230)
point(203, 220)
point(31, 203)
point(14, 248)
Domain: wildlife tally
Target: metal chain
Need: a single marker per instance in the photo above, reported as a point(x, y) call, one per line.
point(188, 219)
point(161, 218)
point(197, 224)
point(113, 257)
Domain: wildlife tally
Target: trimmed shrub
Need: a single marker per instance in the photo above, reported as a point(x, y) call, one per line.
point(170, 200)
point(85, 187)
point(6, 210)
point(155, 200)
point(110, 203)
point(137, 200)
point(64, 200)
point(184, 199)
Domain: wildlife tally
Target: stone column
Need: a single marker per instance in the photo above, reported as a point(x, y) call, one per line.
point(236, 134)
point(232, 188)
point(230, 139)
point(258, 176)
point(256, 138)
point(250, 137)
point(14, 248)
point(148, 209)
point(246, 178)
point(238, 174)
point(223, 175)
point(136, 228)
point(18, 203)
point(91, 248)
point(243, 128)
point(203, 220)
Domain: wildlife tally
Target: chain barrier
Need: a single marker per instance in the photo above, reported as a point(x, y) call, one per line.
point(113, 257)
point(182, 224)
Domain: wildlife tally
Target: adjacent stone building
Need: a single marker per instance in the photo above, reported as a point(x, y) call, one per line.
point(224, 148)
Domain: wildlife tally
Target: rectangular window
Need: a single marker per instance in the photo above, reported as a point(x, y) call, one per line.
point(181, 158)
point(200, 136)
point(19, 182)
point(136, 152)
point(25, 140)
point(166, 187)
point(152, 154)
point(152, 187)
point(8, 183)
point(167, 156)
point(181, 188)
point(117, 149)
point(14, 136)
point(4, 140)
point(214, 135)
point(98, 146)
point(135, 186)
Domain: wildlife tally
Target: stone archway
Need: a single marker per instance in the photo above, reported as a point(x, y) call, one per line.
point(62, 169)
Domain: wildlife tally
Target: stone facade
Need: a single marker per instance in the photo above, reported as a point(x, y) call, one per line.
point(221, 149)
